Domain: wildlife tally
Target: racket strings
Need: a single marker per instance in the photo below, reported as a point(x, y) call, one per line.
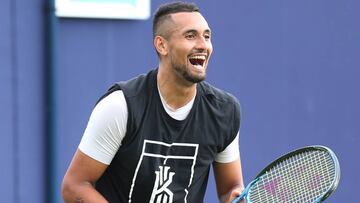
point(300, 178)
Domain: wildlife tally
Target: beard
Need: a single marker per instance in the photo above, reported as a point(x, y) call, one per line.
point(186, 74)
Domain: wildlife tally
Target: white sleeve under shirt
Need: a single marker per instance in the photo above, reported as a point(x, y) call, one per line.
point(107, 127)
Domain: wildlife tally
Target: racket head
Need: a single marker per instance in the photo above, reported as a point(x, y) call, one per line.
point(308, 174)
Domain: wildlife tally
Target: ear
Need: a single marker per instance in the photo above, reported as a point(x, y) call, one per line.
point(161, 45)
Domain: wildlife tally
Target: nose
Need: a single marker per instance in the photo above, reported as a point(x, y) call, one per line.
point(202, 43)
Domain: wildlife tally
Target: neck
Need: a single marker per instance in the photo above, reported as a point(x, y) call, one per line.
point(175, 92)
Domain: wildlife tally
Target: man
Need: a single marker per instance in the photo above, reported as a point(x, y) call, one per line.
point(153, 138)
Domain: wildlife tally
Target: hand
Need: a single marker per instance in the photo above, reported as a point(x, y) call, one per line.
point(230, 196)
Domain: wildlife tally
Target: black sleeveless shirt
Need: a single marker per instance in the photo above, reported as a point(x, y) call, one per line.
point(162, 159)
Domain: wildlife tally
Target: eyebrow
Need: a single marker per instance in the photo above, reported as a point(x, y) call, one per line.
point(208, 31)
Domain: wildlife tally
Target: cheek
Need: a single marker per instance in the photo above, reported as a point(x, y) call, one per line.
point(210, 48)
point(181, 51)
point(180, 55)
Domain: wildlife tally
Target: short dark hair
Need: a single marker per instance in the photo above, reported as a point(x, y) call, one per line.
point(164, 11)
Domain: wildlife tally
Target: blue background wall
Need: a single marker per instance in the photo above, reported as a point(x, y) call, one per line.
point(22, 167)
point(294, 65)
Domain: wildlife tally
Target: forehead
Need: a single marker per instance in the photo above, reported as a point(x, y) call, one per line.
point(189, 21)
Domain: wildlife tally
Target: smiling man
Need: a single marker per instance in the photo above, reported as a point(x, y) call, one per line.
point(153, 138)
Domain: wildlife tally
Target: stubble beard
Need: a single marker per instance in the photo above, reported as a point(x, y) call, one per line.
point(186, 74)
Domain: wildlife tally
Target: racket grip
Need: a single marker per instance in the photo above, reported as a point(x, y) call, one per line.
point(238, 199)
point(243, 194)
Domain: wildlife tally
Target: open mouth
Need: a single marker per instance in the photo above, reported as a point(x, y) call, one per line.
point(197, 60)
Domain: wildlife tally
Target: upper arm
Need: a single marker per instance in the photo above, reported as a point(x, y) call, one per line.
point(228, 171)
point(101, 140)
point(99, 144)
point(227, 168)
point(106, 128)
point(230, 153)
point(84, 169)
point(78, 182)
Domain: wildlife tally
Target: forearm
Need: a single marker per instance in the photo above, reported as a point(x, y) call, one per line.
point(229, 181)
point(81, 193)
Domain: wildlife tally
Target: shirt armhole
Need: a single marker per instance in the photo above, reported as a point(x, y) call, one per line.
point(106, 128)
point(230, 153)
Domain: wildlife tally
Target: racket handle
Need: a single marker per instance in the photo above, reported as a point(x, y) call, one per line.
point(238, 199)
point(243, 194)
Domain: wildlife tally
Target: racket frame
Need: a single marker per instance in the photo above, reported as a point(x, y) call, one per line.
point(322, 197)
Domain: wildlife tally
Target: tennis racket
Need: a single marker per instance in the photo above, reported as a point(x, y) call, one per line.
point(306, 175)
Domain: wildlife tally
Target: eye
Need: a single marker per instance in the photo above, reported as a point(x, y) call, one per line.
point(207, 36)
point(190, 36)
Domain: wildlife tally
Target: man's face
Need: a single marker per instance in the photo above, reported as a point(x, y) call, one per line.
point(190, 46)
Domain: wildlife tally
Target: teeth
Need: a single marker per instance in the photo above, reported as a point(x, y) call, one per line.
point(198, 57)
